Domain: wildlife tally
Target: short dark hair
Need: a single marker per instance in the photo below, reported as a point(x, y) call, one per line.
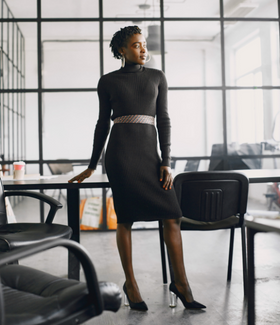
point(121, 38)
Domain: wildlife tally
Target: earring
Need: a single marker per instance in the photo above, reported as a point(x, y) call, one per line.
point(123, 61)
point(148, 58)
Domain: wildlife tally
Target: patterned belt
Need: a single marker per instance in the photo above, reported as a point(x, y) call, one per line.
point(144, 119)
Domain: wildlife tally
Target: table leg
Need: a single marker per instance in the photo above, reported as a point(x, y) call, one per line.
point(251, 275)
point(73, 213)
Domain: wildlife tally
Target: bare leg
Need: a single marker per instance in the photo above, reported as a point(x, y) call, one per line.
point(173, 240)
point(125, 250)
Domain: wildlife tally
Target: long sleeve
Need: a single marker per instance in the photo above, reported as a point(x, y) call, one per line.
point(103, 124)
point(163, 122)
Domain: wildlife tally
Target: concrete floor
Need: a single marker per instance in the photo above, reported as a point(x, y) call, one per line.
point(205, 256)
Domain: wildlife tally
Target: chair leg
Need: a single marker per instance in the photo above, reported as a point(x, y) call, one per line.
point(162, 251)
point(244, 261)
point(231, 242)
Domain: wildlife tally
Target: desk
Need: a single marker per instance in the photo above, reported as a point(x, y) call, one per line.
point(255, 225)
point(73, 203)
point(101, 181)
point(261, 175)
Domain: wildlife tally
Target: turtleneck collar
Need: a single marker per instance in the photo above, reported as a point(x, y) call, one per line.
point(132, 68)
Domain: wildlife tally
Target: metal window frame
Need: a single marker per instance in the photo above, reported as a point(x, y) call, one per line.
point(19, 90)
point(12, 75)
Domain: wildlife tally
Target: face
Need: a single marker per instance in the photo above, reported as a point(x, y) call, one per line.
point(136, 51)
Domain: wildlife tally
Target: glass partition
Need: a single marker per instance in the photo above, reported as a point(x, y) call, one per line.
point(32, 128)
point(196, 118)
point(70, 8)
point(197, 8)
point(68, 124)
point(218, 81)
point(244, 9)
point(261, 108)
point(70, 55)
point(193, 54)
point(131, 8)
point(19, 55)
point(252, 54)
point(19, 8)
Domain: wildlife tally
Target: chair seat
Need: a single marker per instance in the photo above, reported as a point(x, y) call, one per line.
point(190, 224)
point(16, 235)
point(35, 297)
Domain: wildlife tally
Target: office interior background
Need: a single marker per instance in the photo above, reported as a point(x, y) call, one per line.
point(221, 59)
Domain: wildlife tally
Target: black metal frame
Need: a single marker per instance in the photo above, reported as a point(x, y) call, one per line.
point(12, 76)
point(18, 89)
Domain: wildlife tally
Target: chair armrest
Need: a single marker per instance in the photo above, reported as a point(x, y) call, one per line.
point(78, 250)
point(53, 203)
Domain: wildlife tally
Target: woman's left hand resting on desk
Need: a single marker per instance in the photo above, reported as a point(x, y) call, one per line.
point(166, 177)
point(81, 177)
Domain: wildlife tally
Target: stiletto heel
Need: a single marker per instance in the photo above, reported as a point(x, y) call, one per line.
point(133, 305)
point(173, 300)
point(189, 305)
point(126, 303)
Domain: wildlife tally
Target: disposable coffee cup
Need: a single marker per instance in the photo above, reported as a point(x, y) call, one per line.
point(19, 170)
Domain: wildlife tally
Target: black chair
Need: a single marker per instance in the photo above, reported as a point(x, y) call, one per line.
point(15, 235)
point(32, 297)
point(211, 201)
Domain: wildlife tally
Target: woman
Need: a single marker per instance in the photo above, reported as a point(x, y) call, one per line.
point(141, 181)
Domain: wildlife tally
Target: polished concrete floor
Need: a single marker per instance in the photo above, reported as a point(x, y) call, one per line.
point(205, 256)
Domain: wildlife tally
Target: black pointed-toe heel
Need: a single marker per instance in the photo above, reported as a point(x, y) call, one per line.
point(175, 294)
point(134, 305)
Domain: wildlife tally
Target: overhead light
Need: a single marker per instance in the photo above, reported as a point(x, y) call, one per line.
point(153, 39)
point(144, 6)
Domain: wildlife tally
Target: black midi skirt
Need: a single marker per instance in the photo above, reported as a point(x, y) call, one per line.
point(132, 164)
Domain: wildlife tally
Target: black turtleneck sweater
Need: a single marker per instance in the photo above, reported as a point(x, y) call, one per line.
point(132, 90)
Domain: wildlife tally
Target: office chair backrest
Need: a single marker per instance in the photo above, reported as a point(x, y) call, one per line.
point(211, 196)
point(60, 169)
point(3, 214)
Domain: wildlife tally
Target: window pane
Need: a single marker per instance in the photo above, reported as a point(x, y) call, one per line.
point(19, 9)
point(192, 54)
point(69, 121)
point(29, 57)
point(19, 64)
point(252, 54)
point(13, 128)
point(261, 108)
point(257, 8)
point(197, 8)
point(69, 8)
point(132, 8)
point(31, 126)
point(196, 119)
point(70, 54)
point(150, 30)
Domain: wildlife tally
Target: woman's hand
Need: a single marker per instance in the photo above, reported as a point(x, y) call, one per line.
point(166, 177)
point(85, 174)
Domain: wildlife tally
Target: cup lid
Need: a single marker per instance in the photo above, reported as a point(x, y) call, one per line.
point(19, 163)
